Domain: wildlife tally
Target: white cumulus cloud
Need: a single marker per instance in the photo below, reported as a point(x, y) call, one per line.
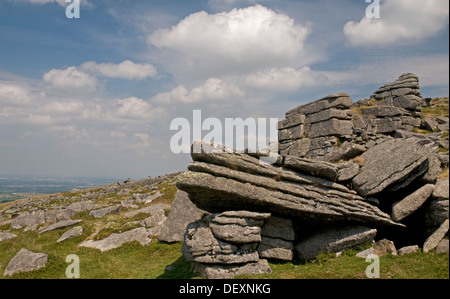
point(71, 80)
point(286, 79)
point(124, 70)
point(213, 89)
point(11, 93)
point(136, 108)
point(239, 40)
point(400, 21)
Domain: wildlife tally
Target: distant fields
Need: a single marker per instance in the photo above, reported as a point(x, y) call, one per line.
point(7, 197)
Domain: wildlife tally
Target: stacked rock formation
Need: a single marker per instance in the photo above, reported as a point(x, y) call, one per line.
point(311, 130)
point(330, 189)
point(394, 106)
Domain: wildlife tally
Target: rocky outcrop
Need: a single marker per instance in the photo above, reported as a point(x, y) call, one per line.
point(345, 174)
point(257, 210)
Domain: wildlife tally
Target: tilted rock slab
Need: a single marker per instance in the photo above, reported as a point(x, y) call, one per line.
point(182, 212)
point(432, 241)
point(437, 208)
point(116, 240)
point(411, 203)
point(334, 240)
point(71, 233)
point(245, 184)
point(60, 224)
point(393, 165)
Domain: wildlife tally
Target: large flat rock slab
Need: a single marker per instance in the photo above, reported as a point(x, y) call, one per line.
point(217, 194)
point(392, 165)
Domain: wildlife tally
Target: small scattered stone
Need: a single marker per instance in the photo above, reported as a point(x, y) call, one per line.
point(408, 249)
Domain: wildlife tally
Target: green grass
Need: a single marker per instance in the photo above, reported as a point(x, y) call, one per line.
point(128, 261)
point(438, 107)
point(414, 266)
point(133, 261)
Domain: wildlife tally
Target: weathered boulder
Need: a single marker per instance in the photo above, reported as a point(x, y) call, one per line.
point(334, 240)
point(60, 224)
point(71, 233)
point(200, 245)
point(6, 236)
point(237, 227)
point(432, 241)
point(25, 261)
point(344, 152)
point(116, 240)
point(182, 212)
point(82, 206)
point(31, 220)
point(442, 247)
point(434, 169)
point(437, 207)
point(277, 239)
point(152, 210)
point(408, 250)
point(441, 189)
point(411, 203)
point(380, 248)
point(318, 168)
point(347, 171)
point(275, 248)
point(380, 172)
point(222, 271)
point(100, 213)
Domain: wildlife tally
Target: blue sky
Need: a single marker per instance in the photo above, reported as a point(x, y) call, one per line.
point(95, 96)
